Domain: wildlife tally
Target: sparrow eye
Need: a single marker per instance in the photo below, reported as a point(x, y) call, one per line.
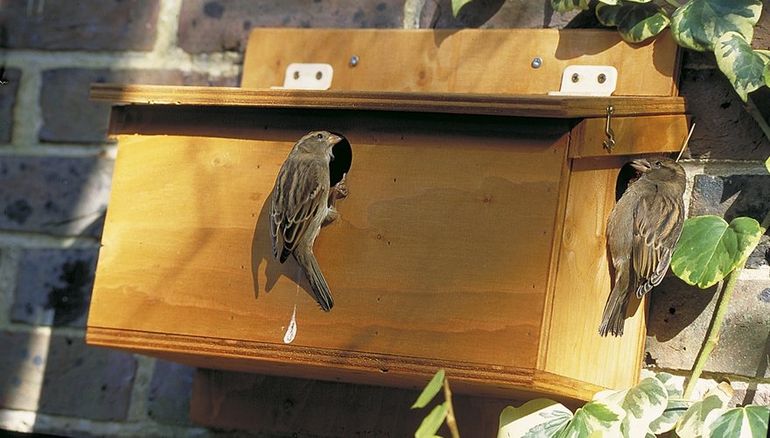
point(319, 136)
point(657, 164)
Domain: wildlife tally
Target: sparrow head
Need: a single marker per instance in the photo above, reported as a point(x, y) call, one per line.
point(318, 142)
point(659, 169)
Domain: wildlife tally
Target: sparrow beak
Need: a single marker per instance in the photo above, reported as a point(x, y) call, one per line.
point(641, 165)
point(334, 139)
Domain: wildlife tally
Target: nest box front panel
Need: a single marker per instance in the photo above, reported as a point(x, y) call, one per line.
point(442, 251)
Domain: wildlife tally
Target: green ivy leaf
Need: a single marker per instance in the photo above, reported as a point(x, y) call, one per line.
point(698, 24)
point(692, 424)
point(597, 418)
point(767, 74)
point(636, 22)
point(569, 5)
point(457, 5)
point(744, 67)
point(430, 391)
point(709, 248)
point(675, 407)
point(748, 421)
point(432, 422)
point(538, 418)
point(643, 404)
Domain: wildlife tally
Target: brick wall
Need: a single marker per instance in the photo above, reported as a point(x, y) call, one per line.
point(55, 172)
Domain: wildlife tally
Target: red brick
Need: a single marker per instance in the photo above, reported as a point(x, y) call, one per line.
point(495, 14)
point(7, 100)
point(79, 25)
point(724, 130)
point(63, 376)
point(67, 89)
point(215, 26)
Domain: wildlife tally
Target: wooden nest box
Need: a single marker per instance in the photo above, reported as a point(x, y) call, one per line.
point(472, 238)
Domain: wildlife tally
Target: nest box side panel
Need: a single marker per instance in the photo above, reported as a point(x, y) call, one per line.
point(491, 61)
point(441, 254)
point(574, 347)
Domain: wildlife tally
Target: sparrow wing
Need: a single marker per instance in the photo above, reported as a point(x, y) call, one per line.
point(657, 225)
point(300, 191)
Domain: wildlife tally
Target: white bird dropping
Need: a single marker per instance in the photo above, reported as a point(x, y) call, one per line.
point(291, 331)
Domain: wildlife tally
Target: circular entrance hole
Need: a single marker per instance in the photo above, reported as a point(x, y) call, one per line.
point(343, 158)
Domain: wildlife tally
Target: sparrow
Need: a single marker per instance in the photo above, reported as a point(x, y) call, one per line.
point(303, 201)
point(642, 230)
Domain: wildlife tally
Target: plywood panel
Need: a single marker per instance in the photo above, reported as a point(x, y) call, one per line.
point(633, 136)
point(422, 263)
point(583, 283)
point(460, 61)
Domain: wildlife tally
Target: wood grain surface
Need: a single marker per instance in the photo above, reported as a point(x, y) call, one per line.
point(419, 264)
point(496, 61)
point(450, 103)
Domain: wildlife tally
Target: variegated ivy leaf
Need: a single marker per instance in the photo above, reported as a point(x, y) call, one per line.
point(746, 422)
point(699, 23)
point(744, 67)
point(636, 22)
point(643, 404)
point(765, 54)
point(675, 407)
point(693, 421)
point(569, 5)
point(710, 248)
point(595, 419)
point(539, 418)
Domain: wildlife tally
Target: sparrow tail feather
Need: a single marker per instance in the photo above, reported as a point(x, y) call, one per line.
point(315, 277)
point(614, 315)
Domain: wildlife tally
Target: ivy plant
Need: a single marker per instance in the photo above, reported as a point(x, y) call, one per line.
point(655, 406)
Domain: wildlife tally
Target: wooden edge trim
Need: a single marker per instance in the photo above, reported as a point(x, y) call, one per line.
point(270, 356)
point(451, 103)
point(561, 210)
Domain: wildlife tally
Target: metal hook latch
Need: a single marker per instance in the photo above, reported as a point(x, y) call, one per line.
point(609, 143)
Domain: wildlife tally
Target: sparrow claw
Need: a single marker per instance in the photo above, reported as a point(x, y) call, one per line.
point(340, 190)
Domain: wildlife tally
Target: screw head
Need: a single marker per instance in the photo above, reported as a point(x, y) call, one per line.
point(575, 77)
point(296, 75)
point(354, 60)
point(601, 78)
point(537, 62)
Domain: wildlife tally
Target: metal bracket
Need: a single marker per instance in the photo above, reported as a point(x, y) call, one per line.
point(307, 76)
point(609, 142)
point(588, 80)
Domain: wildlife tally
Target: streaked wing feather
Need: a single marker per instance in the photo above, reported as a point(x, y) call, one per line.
point(657, 225)
point(300, 190)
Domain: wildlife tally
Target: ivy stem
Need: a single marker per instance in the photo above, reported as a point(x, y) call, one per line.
point(723, 302)
point(451, 422)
